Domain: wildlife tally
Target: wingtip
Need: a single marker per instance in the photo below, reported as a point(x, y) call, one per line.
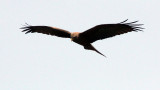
point(26, 25)
point(133, 25)
point(124, 21)
point(26, 28)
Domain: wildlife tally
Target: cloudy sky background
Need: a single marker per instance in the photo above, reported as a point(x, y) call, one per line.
point(42, 62)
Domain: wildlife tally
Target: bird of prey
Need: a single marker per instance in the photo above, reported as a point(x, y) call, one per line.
point(89, 36)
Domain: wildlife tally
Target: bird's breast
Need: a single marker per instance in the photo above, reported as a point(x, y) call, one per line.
point(80, 40)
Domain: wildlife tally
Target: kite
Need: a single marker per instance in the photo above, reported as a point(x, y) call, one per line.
point(89, 36)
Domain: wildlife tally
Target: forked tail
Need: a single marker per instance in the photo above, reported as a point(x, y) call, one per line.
point(99, 52)
point(90, 47)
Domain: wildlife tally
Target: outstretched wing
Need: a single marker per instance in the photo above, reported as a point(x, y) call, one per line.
point(109, 30)
point(47, 30)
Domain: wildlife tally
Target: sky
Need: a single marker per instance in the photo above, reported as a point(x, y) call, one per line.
point(42, 62)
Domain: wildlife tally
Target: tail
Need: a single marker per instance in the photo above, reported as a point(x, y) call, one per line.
point(90, 47)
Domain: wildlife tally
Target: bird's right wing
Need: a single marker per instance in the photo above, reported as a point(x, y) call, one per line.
point(47, 30)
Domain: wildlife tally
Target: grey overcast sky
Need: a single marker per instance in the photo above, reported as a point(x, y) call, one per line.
point(43, 62)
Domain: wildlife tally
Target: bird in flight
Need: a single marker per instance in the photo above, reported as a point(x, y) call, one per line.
point(89, 36)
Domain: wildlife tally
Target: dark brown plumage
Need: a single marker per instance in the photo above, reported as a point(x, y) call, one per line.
point(87, 37)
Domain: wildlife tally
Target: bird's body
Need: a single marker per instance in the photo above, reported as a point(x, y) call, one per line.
point(79, 39)
point(75, 37)
point(87, 37)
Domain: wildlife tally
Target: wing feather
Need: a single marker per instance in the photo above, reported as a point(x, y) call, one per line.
point(46, 30)
point(109, 30)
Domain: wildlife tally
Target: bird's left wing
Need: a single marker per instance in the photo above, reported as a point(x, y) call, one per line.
point(109, 30)
point(47, 30)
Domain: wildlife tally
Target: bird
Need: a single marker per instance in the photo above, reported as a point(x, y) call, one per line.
point(86, 38)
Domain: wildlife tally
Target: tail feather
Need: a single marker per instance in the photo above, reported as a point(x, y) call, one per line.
point(99, 52)
point(90, 47)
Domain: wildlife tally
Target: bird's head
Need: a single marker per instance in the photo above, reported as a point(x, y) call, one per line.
point(74, 36)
